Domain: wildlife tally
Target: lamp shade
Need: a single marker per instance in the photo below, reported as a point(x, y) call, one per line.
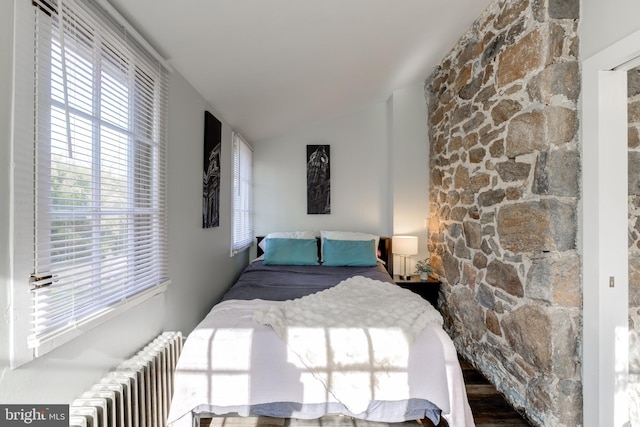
point(404, 245)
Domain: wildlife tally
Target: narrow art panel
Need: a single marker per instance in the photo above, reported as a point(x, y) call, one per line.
point(211, 171)
point(318, 179)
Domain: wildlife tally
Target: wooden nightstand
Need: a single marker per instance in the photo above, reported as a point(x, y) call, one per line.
point(427, 289)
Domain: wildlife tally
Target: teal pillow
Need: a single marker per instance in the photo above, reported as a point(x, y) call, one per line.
point(283, 251)
point(349, 253)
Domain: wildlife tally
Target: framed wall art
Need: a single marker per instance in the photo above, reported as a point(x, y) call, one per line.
point(318, 179)
point(211, 171)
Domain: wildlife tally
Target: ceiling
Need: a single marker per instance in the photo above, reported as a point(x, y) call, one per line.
point(271, 66)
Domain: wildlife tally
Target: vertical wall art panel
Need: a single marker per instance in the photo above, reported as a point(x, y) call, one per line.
point(211, 171)
point(318, 179)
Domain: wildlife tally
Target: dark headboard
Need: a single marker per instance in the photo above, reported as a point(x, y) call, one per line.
point(384, 251)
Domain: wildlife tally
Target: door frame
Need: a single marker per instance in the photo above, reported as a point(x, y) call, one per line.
point(604, 234)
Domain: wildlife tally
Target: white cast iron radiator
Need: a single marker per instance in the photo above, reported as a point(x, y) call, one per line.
point(137, 393)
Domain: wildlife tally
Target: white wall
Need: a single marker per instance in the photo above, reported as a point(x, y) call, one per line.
point(603, 23)
point(200, 266)
point(359, 176)
point(409, 172)
point(6, 75)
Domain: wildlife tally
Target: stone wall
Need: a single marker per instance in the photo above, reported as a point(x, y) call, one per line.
point(633, 92)
point(505, 176)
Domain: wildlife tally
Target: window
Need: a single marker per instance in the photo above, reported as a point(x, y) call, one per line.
point(242, 226)
point(99, 236)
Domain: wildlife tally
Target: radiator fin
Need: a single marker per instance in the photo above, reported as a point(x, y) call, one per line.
point(137, 393)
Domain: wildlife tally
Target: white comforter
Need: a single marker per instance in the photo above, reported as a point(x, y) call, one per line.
point(232, 361)
point(354, 337)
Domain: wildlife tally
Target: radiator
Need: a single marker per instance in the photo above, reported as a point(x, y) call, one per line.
point(137, 393)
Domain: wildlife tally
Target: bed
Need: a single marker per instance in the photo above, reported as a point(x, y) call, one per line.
point(316, 326)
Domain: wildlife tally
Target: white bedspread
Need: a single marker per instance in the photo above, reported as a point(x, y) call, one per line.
point(231, 361)
point(354, 337)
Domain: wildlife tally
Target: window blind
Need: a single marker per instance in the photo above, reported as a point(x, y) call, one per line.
point(242, 225)
point(100, 225)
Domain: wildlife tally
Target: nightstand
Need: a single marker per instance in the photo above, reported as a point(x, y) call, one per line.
point(427, 289)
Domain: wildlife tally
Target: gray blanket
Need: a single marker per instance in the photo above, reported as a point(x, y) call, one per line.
point(284, 282)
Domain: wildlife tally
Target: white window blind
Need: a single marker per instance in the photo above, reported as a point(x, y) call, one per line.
point(242, 225)
point(100, 226)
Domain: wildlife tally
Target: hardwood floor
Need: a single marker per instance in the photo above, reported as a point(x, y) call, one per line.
point(488, 406)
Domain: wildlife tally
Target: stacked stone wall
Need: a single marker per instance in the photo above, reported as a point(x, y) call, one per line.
point(504, 188)
point(633, 93)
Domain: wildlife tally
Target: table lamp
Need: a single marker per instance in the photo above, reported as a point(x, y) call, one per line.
point(404, 247)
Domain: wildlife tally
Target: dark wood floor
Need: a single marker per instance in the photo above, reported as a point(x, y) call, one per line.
point(488, 406)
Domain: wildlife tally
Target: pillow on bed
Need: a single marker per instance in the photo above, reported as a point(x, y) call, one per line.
point(287, 235)
point(349, 253)
point(347, 235)
point(286, 251)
